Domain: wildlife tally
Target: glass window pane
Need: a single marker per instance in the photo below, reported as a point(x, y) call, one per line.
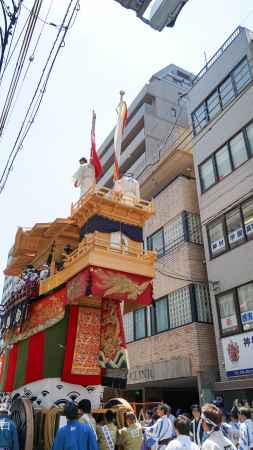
point(207, 174)
point(247, 210)
point(179, 307)
point(203, 303)
point(216, 238)
point(213, 105)
point(194, 228)
point(235, 228)
point(245, 296)
point(228, 317)
point(227, 93)
point(250, 137)
point(161, 308)
point(140, 323)
point(156, 243)
point(129, 326)
point(173, 233)
point(199, 118)
point(223, 162)
point(238, 150)
point(242, 75)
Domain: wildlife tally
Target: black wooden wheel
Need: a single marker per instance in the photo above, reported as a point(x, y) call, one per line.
point(22, 414)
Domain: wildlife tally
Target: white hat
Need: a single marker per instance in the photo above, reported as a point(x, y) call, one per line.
point(4, 407)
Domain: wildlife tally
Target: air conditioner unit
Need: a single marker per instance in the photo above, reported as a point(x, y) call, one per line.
point(165, 12)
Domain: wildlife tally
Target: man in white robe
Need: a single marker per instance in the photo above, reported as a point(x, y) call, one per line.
point(162, 432)
point(84, 177)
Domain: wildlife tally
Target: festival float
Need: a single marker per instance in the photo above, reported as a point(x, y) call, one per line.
point(61, 329)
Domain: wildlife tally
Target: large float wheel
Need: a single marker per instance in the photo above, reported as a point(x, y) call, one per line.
point(22, 414)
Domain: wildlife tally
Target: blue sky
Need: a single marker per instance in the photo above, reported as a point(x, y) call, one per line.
point(108, 49)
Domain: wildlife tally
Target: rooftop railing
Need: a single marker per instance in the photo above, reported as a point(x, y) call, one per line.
point(218, 54)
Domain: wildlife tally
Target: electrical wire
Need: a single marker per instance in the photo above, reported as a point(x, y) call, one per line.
point(31, 105)
point(31, 59)
point(181, 278)
point(45, 20)
point(20, 63)
point(14, 49)
point(36, 102)
point(14, 30)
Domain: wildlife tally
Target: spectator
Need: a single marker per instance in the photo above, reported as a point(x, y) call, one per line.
point(235, 426)
point(8, 431)
point(44, 273)
point(211, 421)
point(182, 441)
point(74, 435)
point(196, 425)
point(130, 438)
point(162, 432)
point(246, 429)
point(84, 407)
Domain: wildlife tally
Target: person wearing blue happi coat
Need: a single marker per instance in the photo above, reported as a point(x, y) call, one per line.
point(74, 435)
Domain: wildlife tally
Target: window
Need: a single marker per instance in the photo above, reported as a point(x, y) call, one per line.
point(242, 75)
point(217, 240)
point(227, 312)
point(156, 242)
point(203, 303)
point(234, 228)
point(234, 84)
point(213, 105)
point(179, 307)
point(249, 131)
point(223, 162)
point(199, 118)
point(228, 158)
point(173, 233)
point(247, 211)
point(140, 323)
point(207, 175)
point(162, 319)
point(227, 93)
point(194, 228)
point(245, 297)
point(129, 326)
point(238, 150)
point(152, 320)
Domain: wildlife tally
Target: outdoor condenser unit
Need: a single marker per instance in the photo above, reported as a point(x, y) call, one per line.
point(156, 13)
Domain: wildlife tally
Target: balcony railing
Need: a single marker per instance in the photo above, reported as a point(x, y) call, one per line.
point(96, 241)
point(127, 256)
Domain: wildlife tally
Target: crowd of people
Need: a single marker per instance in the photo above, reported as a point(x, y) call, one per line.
point(208, 428)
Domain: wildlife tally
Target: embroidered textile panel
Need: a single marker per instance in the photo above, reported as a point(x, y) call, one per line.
point(121, 286)
point(113, 353)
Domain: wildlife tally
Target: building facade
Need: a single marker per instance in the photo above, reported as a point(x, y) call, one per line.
point(220, 105)
point(171, 344)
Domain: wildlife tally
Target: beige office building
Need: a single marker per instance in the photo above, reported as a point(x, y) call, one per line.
point(171, 343)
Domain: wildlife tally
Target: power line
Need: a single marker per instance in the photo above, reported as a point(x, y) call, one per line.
point(34, 106)
point(31, 59)
point(46, 22)
point(14, 49)
point(20, 63)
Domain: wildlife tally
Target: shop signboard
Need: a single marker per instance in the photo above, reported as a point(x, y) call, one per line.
point(238, 354)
